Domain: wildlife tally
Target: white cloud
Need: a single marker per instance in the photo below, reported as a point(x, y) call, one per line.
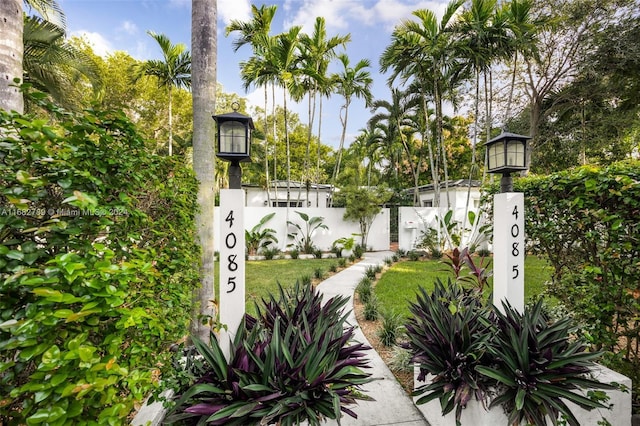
point(229, 10)
point(128, 27)
point(100, 45)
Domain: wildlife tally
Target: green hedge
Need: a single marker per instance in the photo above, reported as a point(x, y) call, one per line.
point(97, 266)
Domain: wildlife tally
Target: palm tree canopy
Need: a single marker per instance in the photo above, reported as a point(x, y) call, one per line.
point(175, 68)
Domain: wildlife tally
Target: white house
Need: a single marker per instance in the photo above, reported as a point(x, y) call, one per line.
point(457, 189)
point(300, 194)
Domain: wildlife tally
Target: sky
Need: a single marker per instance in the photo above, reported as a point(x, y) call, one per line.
point(122, 25)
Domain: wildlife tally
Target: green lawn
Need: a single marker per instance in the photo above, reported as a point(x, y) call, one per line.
point(399, 284)
point(262, 276)
point(396, 287)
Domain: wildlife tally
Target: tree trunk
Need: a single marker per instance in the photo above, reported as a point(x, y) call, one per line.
point(203, 81)
point(11, 52)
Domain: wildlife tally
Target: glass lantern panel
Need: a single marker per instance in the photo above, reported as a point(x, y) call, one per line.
point(515, 153)
point(233, 137)
point(495, 156)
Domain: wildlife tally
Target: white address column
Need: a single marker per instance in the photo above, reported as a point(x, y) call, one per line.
point(508, 249)
point(232, 265)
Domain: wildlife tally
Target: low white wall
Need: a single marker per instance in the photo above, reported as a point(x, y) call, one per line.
point(619, 414)
point(413, 220)
point(378, 239)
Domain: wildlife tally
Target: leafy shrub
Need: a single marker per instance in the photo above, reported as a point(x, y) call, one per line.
point(344, 243)
point(270, 253)
point(333, 267)
point(370, 272)
point(538, 365)
point(585, 222)
point(414, 255)
point(526, 363)
point(296, 361)
point(294, 253)
point(447, 341)
point(358, 251)
point(371, 309)
point(97, 266)
point(391, 328)
point(436, 254)
point(342, 262)
point(400, 360)
point(306, 280)
point(318, 273)
point(364, 289)
point(388, 261)
point(317, 253)
point(259, 239)
point(303, 235)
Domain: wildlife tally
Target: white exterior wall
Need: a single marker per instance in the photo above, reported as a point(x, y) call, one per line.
point(413, 220)
point(378, 239)
point(257, 197)
point(457, 197)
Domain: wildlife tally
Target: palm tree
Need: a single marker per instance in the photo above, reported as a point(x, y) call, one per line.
point(317, 52)
point(256, 33)
point(54, 66)
point(203, 45)
point(173, 71)
point(351, 81)
point(400, 126)
point(423, 50)
point(12, 47)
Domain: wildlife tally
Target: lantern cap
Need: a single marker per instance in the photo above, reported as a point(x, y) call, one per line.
point(507, 135)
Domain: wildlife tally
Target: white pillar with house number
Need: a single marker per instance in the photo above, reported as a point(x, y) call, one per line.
point(232, 265)
point(508, 250)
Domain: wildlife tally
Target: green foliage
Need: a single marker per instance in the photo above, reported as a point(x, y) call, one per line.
point(371, 309)
point(448, 340)
point(390, 328)
point(295, 362)
point(585, 221)
point(258, 238)
point(97, 266)
point(362, 205)
point(538, 363)
point(364, 289)
point(303, 236)
point(344, 243)
point(525, 363)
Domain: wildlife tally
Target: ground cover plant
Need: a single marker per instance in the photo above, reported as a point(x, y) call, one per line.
point(295, 361)
point(97, 260)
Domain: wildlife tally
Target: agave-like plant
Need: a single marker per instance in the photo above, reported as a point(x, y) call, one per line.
point(448, 340)
point(539, 365)
point(296, 361)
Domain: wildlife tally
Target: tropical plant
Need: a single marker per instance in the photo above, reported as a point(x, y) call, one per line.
point(303, 237)
point(478, 273)
point(363, 206)
point(343, 243)
point(258, 238)
point(54, 66)
point(364, 289)
point(538, 365)
point(108, 258)
point(349, 82)
point(448, 340)
point(390, 328)
point(173, 71)
point(295, 362)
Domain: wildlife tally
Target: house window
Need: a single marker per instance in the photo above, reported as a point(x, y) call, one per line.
point(427, 203)
point(284, 204)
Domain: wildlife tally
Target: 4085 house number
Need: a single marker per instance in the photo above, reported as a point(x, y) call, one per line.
point(231, 289)
point(508, 250)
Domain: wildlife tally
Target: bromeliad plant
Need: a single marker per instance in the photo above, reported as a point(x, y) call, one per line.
point(466, 348)
point(539, 366)
point(448, 341)
point(296, 361)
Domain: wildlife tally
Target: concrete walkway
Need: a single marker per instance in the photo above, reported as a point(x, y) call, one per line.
point(391, 405)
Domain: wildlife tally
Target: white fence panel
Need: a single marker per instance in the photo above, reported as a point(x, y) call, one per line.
point(378, 239)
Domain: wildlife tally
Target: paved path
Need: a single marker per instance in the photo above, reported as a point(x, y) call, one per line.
point(392, 405)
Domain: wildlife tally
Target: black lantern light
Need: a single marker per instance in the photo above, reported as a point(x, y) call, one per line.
point(234, 142)
point(506, 154)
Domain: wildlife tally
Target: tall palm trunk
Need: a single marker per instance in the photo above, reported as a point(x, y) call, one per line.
point(170, 121)
point(204, 54)
point(266, 145)
point(11, 53)
point(318, 159)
